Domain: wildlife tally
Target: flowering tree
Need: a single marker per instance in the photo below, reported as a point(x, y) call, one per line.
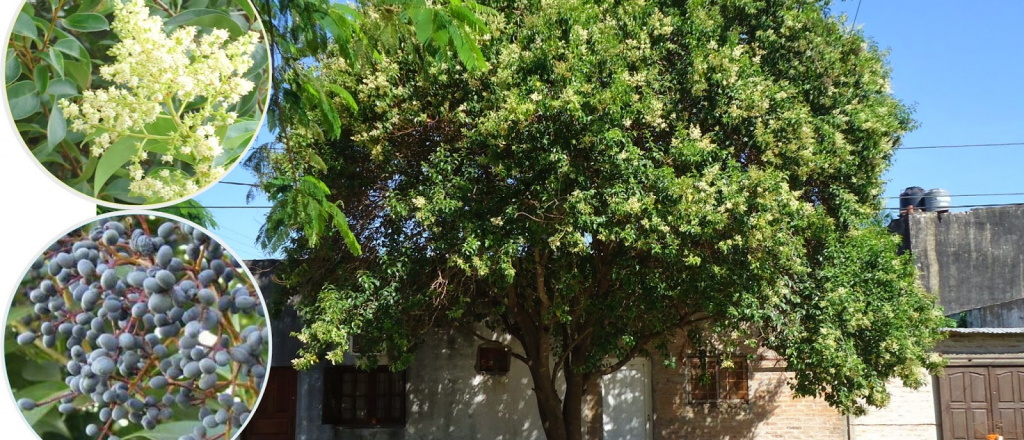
point(306, 108)
point(147, 108)
point(623, 174)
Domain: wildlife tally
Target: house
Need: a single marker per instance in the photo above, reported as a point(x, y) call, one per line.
point(445, 395)
point(974, 261)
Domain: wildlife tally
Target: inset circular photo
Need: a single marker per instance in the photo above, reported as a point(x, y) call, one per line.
point(137, 102)
point(140, 326)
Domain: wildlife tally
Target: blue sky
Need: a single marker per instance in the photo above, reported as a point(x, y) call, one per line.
point(958, 63)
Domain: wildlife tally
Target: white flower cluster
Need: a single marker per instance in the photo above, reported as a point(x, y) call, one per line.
point(159, 75)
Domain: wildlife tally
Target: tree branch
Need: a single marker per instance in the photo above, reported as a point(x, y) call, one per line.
point(630, 355)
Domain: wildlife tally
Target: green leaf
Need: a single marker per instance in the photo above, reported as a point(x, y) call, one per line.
point(80, 72)
point(260, 62)
point(42, 77)
point(57, 61)
point(239, 135)
point(113, 159)
point(205, 18)
point(42, 372)
point(57, 128)
point(172, 431)
point(423, 19)
point(118, 190)
point(62, 88)
point(72, 47)
point(26, 27)
point(317, 162)
point(39, 392)
point(345, 96)
point(86, 22)
point(24, 99)
point(247, 6)
point(12, 68)
point(102, 7)
point(328, 113)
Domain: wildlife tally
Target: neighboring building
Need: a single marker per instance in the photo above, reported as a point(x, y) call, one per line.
point(974, 261)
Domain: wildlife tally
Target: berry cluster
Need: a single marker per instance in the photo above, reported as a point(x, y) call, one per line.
point(148, 323)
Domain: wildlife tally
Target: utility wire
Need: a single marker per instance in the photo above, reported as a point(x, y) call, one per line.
point(855, 14)
point(935, 147)
point(990, 205)
point(225, 182)
point(970, 195)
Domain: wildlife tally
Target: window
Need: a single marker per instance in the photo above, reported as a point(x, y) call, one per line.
point(710, 382)
point(492, 358)
point(357, 398)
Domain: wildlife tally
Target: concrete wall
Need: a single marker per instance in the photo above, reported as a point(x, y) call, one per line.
point(1009, 314)
point(970, 259)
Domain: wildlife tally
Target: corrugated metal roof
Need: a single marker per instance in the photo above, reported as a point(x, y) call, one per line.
point(985, 330)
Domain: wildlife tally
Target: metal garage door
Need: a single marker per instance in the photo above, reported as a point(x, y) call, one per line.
point(977, 401)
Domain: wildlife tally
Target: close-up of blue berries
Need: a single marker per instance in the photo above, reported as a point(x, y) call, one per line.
point(147, 324)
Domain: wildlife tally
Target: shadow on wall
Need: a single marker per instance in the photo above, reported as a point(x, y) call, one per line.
point(676, 419)
point(448, 398)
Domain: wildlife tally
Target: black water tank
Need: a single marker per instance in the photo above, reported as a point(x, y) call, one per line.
point(912, 196)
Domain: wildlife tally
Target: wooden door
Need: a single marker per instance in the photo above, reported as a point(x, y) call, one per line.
point(1007, 402)
point(965, 404)
point(977, 401)
point(274, 419)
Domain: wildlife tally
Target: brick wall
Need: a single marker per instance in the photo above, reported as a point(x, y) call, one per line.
point(771, 414)
point(909, 416)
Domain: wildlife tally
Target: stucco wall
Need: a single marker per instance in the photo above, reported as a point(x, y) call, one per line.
point(970, 259)
point(446, 398)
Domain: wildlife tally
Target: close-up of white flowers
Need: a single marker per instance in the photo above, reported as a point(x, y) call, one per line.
point(187, 79)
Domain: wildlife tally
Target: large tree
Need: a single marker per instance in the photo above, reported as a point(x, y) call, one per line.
point(621, 174)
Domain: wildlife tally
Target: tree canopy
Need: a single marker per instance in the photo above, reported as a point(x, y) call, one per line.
point(620, 174)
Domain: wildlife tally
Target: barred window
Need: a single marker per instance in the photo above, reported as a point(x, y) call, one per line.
point(357, 398)
point(710, 382)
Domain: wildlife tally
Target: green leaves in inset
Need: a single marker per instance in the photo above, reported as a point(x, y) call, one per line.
point(86, 22)
point(56, 129)
point(26, 27)
point(24, 99)
point(205, 18)
point(118, 154)
point(12, 67)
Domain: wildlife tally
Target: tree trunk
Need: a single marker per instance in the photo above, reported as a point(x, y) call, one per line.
point(550, 404)
point(572, 406)
point(593, 409)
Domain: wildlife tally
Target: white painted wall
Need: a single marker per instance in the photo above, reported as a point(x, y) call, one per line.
point(448, 399)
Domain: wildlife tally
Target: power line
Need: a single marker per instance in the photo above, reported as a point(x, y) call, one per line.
point(223, 207)
point(935, 147)
point(855, 14)
point(990, 205)
point(225, 182)
point(971, 195)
